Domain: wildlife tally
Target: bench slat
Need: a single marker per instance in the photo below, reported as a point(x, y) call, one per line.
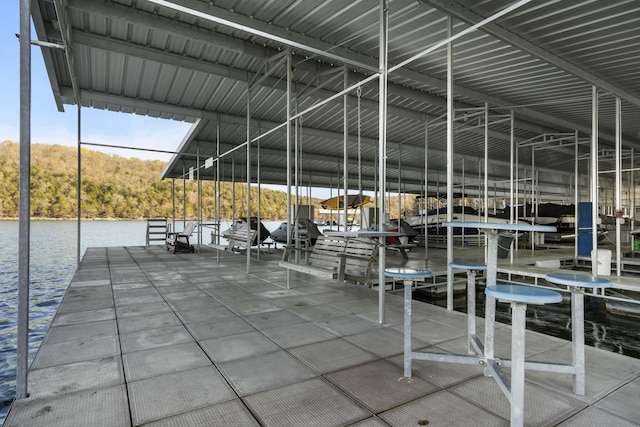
point(348, 258)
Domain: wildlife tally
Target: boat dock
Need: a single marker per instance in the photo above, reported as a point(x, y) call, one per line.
point(146, 337)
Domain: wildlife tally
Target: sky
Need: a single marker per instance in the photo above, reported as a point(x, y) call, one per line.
point(49, 126)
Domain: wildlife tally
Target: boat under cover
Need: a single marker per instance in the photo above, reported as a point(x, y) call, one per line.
point(306, 230)
point(242, 224)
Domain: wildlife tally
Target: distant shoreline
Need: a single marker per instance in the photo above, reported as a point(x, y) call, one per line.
point(120, 219)
point(73, 219)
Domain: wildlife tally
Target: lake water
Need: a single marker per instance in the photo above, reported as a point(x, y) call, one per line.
point(53, 263)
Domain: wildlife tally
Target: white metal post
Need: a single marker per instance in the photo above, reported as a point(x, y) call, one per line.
point(382, 150)
point(450, 113)
point(594, 180)
point(345, 150)
point(79, 190)
point(249, 242)
point(217, 194)
point(289, 215)
point(426, 190)
point(576, 196)
point(618, 196)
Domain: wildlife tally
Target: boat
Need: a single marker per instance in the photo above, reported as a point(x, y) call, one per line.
point(306, 230)
point(429, 222)
point(353, 201)
point(629, 308)
point(547, 213)
point(404, 227)
point(566, 232)
point(434, 218)
point(242, 223)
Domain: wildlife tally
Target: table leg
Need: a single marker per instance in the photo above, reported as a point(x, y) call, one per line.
point(471, 309)
point(489, 329)
point(490, 302)
point(407, 327)
point(577, 320)
point(518, 325)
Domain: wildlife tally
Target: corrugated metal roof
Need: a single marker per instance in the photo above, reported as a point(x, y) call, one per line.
point(539, 61)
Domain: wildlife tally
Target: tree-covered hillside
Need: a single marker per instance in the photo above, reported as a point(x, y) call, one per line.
point(116, 187)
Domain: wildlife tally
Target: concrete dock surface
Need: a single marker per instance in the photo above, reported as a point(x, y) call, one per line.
point(144, 337)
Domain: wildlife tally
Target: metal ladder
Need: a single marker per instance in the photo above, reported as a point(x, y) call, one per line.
point(157, 229)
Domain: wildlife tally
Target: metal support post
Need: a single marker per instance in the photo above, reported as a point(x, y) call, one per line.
point(382, 151)
point(577, 332)
point(518, 323)
point(408, 283)
point(450, 114)
point(24, 222)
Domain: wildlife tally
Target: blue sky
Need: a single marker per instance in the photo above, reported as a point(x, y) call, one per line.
point(49, 126)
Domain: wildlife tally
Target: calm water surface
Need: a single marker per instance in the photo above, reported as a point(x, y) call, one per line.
point(53, 262)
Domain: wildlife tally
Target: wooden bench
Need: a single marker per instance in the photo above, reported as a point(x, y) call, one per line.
point(324, 260)
point(238, 240)
point(359, 256)
point(339, 258)
point(241, 239)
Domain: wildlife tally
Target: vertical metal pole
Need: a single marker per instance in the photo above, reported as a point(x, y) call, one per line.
point(173, 204)
point(426, 190)
point(618, 197)
point(199, 196)
point(632, 191)
point(512, 142)
point(486, 162)
point(518, 324)
point(296, 184)
point(463, 200)
point(249, 242)
point(24, 222)
point(490, 302)
point(233, 190)
point(480, 192)
point(450, 114)
point(289, 216)
point(217, 194)
point(345, 148)
point(534, 200)
point(79, 190)
point(471, 310)
point(577, 337)
point(517, 199)
point(382, 150)
point(594, 180)
point(576, 167)
point(400, 204)
point(184, 196)
point(258, 216)
point(408, 284)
